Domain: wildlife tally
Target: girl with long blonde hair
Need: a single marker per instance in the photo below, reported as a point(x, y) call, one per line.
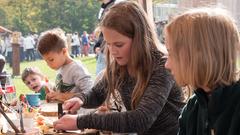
point(135, 77)
point(203, 45)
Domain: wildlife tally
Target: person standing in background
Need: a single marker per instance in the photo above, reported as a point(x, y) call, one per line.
point(85, 43)
point(29, 46)
point(99, 46)
point(2, 63)
point(75, 45)
point(8, 50)
point(21, 49)
point(2, 46)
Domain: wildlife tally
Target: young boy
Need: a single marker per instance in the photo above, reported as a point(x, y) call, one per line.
point(72, 76)
point(36, 81)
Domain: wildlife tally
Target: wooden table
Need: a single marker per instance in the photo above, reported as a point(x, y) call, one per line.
point(85, 132)
point(66, 133)
point(49, 111)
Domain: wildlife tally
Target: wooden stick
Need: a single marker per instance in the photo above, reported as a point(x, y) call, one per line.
point(21, 119)
point(9, 121)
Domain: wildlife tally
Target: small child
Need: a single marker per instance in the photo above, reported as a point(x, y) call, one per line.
point(72, 77)
point(36, 81)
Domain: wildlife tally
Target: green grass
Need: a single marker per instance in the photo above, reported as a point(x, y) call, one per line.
point(21, 88)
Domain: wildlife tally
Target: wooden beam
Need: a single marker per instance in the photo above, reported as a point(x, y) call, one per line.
point(16, 53)
point(147, 6)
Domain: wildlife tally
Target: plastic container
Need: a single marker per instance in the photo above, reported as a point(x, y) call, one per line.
point(33, 99)
point(10, 90)
point(28, 123)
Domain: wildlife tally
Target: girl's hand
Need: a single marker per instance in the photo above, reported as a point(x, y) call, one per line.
point(72, 105)
point(66, 122)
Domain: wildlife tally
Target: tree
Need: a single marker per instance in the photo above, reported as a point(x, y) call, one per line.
point(3, 20)
point(37, 16)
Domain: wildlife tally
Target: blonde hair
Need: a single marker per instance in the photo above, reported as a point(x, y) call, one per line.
point(97, 32)
point(204, 44)
point(129, 19)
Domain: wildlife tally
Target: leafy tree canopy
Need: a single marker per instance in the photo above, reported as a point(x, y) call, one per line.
point(37, 16)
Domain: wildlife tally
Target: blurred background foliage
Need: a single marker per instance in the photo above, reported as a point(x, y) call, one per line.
point(39, 15)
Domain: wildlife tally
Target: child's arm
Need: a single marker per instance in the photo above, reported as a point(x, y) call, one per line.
point(51, 96)
point(49, 89)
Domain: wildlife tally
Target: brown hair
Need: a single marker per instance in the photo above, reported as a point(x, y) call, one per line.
point(31, 71)
point(52, 40)
point(129, 19)
point(204, 44)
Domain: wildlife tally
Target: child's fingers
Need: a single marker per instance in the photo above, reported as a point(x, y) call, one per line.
point(51, 94)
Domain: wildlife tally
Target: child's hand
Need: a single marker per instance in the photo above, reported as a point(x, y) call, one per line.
point(51, 96)
point(14, 102)
point(48, 90)
point(59, 96)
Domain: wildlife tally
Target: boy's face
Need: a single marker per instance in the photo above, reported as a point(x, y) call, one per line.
point(55, 60)
point(34, 82)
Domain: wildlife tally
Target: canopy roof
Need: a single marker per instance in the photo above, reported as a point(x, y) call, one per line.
point(4, 30)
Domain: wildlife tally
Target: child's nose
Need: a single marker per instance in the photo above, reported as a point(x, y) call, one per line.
point(30, 83)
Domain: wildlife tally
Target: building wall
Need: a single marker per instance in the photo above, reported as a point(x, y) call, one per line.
point(148, 7)
point(195, 3)
point(230, 5)
point(162, 12)
point(233, 7)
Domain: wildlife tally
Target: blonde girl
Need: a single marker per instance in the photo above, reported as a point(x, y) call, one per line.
point(203, 45)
